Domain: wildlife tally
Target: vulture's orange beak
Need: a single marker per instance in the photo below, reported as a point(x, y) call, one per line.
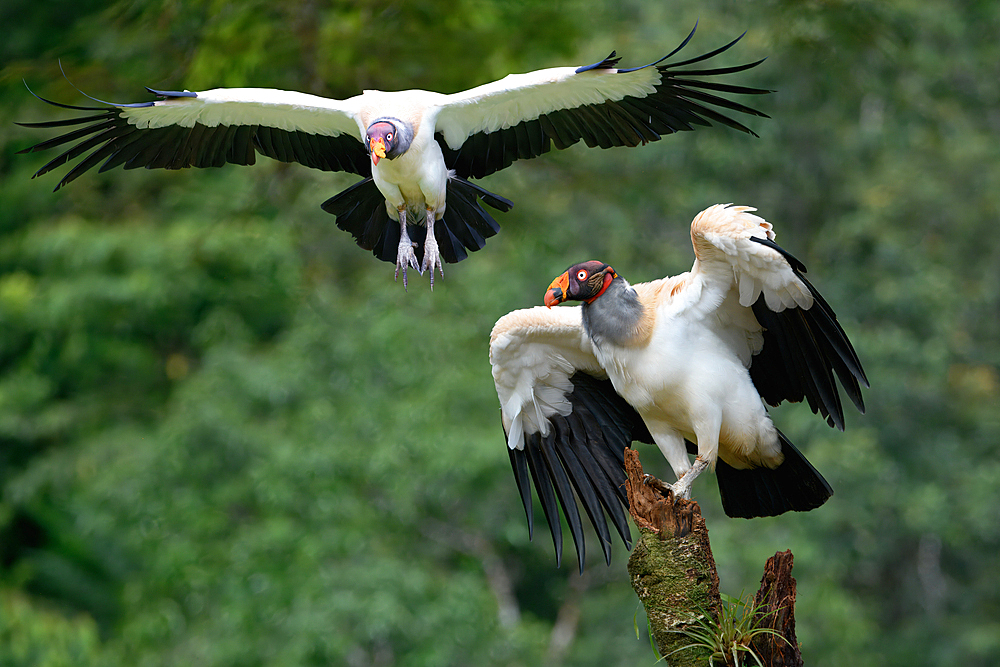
point(377, 149)
point(557, 291)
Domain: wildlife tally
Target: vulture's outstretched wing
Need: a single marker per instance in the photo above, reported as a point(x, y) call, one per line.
point(794, 344)
point(484, 129)
point(567, 428)
point(209, 129)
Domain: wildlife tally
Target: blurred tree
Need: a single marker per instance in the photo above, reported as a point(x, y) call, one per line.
point(218, 442)
point(34, 637)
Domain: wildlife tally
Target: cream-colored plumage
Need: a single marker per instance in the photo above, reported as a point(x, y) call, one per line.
point(687, 355)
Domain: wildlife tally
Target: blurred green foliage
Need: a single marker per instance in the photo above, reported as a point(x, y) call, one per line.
point(228, 438)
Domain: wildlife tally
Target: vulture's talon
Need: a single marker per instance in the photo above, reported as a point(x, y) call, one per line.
point(405, 256)
point(680, 490)
point(682, 487)
point(656, 483)
point(432, 260)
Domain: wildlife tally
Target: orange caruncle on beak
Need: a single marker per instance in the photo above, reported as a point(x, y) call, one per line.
point(557, 291)
point(378, 150)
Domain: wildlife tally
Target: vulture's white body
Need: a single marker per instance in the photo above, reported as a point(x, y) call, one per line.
point(679, 352)
point(690, 382)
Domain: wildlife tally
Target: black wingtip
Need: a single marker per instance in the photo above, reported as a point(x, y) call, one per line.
point(519, 464)
point(57, 104)
point(671, 54)
point(89, 97)
point(171, 93)
point(608, 63)
point(580, 463)
point(547, 498)
point(71, 107)
point(710, 54)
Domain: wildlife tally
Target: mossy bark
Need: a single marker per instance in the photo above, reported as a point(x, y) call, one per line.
point(671, 566)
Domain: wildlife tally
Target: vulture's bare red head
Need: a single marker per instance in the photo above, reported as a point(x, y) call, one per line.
point(380, 139)
point(581, 282)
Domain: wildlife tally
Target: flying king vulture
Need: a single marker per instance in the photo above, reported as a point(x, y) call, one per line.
point(694, 358)
point(414, 149)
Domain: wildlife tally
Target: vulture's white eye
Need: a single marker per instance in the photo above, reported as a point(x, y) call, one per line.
point(581, 275)
point(388, 136)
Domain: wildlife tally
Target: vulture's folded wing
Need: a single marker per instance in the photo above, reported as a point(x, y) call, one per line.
point(566, 428)
point(208, 129)
point(484, 129)
point(795, 347)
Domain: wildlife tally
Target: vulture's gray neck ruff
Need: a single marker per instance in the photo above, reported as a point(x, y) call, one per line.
point(614, 316)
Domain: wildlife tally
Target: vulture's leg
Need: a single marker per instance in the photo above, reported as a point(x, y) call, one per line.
point(405, 254)
point(671, 444)
point(674, 449)
point(432, 258)
point(706, 432)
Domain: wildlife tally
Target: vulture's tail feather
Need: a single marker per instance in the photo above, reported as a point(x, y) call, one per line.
point(360, 210)
point(794, 485)
point(465, 219)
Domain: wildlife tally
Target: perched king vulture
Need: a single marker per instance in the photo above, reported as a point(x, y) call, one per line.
point(415, 149)
point(688, 359)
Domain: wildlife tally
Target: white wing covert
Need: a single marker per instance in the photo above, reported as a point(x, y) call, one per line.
point(534, 353)
point(733, 235)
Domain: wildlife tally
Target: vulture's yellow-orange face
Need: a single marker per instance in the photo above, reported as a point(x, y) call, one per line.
point(380, 140)
point(582, 282)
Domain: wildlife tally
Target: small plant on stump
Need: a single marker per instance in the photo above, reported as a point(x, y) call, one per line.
point(729, 639)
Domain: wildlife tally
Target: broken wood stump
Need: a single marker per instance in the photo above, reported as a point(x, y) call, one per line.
point(673, 574)
point(775, 605)
point(671, 566)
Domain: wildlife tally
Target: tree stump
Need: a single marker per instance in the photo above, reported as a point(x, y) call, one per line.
point(671, 566)
point(775, 604)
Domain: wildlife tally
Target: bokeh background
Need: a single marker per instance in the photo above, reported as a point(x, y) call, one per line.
point(228, 438)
